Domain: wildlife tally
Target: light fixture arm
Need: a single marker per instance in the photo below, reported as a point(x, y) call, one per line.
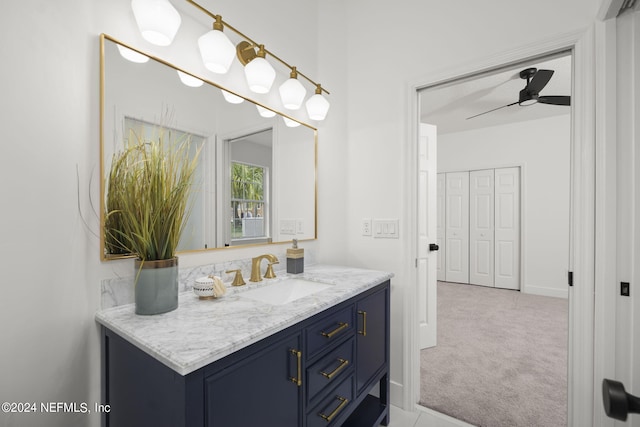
point(250, 44)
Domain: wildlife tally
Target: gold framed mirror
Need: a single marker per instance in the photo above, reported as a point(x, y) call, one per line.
point(256, 175)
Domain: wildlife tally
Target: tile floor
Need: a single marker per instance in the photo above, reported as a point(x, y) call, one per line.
point(422, 417)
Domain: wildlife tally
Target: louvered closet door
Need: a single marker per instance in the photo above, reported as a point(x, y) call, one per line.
point(457, 227)
point(441, 229)
point(507, 228)
point(481, 227)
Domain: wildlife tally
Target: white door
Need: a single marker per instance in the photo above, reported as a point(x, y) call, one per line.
point(481, 219)
point(457, 227)
point(427, 226)
point(441, 197)
point(507, 228)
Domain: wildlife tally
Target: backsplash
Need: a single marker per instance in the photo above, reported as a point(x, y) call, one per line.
point(119, 290)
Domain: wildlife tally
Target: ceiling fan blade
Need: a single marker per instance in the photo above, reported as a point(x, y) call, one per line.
point(555, 100)
point(508, 105)
point(539, 81)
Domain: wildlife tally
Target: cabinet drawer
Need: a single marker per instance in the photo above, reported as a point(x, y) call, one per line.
point(330, 369)
point(330, 329)
point(333, 406)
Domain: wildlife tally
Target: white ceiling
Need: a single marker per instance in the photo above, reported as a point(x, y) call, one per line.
point(448, 106)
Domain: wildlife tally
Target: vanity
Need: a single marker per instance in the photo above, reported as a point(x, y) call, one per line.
point(240, 361)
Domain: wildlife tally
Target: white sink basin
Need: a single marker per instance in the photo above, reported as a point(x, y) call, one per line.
point(285, 291)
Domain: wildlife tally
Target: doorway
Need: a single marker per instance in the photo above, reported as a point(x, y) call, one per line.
point(504, 145)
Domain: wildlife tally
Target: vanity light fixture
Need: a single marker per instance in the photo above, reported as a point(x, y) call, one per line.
point(292, 92)
point(158, 21)
point(189, 80)
point(265, 112)
point(216, 49)
point(132, 55)
point(260, 73)
point(317, 105)
point(290, 123)
point(231, 98)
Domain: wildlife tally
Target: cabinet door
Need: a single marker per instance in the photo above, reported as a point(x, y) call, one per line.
point(371, 347)
point(260, 390)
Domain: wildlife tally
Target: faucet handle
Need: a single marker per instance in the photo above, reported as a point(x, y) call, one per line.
point(269, 274)
point(237, 280)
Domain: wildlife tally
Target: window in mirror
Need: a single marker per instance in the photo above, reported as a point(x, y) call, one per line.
point(250, 164)
point(248, 201)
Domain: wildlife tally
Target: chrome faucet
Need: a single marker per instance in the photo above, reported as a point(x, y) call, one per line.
point(255, 267)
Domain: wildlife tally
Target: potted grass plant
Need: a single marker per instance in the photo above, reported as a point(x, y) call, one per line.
point(147, 206)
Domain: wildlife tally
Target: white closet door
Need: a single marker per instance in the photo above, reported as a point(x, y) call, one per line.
point(441, 231)
point(507, 228)
point(481, 227)
point(457, 227)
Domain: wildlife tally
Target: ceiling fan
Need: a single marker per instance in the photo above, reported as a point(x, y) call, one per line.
point(536, 81)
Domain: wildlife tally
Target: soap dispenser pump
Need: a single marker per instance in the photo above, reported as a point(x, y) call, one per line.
point(295, 259)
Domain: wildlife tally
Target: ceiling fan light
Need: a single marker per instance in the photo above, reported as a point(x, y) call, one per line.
point(231, 98)
point(189, 80)
point(132, 55)
point(217, 51)
point(158, 21)
point(527, 102)
point(265, 112)
point(290, 123)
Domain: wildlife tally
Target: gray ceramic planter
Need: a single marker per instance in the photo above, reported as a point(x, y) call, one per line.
point(156, 288)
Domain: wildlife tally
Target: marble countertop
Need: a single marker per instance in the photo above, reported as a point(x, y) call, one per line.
point(202, 331)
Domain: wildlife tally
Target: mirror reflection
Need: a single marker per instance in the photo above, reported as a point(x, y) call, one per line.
point(256, 174)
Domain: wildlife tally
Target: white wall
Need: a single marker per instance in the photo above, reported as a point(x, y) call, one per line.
point(387, 46)
point(542, 149)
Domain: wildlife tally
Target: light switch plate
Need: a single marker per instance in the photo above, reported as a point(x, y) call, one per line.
point(386, 228)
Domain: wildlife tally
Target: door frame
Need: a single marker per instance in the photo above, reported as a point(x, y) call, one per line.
point(582, 256)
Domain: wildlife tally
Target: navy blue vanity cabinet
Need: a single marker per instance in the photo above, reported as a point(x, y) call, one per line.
point(317, 372)
point(263, 389)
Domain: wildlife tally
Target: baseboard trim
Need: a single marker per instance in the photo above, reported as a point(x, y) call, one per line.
point(396, 391)
point(439, 419)
point(546, 292)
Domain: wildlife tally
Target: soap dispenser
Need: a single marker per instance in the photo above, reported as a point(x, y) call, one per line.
point(295, 259)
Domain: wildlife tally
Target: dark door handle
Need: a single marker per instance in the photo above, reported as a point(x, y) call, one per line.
point(617, 402)
point(433, 247)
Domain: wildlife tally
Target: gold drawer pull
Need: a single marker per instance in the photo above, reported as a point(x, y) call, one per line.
point(363, 332)
point(332, 415)
point(341, 326)
point(298, 379)
point(343, 364)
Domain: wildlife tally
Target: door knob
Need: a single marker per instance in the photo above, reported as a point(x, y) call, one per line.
point(617, 402)
point(433, 247)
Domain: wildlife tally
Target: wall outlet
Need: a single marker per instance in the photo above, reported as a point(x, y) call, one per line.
point(366, 227)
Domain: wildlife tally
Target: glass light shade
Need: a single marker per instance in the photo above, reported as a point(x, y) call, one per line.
point(292, 94)
point(317, 107)
point(290, 123)
point(217, 51)
point(158, 21)
point(231, 98)
point(132, 55)
point(260, 75)
point(189, 80)
point(265, 112)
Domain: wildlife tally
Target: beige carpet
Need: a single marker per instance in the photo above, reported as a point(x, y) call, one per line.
point(501, 358)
